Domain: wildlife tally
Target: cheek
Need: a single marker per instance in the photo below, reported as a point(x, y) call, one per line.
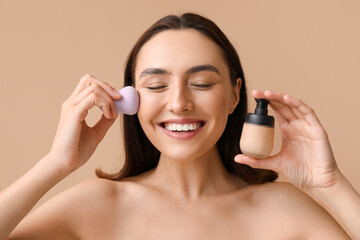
point(148, 108)
point(217, 104)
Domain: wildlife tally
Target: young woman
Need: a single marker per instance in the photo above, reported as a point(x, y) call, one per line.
point(184, 176)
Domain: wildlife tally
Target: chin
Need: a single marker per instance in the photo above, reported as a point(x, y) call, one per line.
point(184, 155)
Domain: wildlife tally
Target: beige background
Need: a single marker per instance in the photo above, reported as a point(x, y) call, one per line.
point(309, 49)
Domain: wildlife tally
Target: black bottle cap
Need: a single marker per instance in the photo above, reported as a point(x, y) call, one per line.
point(260, 116)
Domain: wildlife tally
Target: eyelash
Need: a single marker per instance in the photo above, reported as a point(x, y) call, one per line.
point(156, 88)
point(203, 86)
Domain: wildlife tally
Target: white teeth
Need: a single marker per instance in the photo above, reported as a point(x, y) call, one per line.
point(178, 127)
point(182, 127)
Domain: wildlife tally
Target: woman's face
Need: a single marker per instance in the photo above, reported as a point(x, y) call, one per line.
point(185, 93)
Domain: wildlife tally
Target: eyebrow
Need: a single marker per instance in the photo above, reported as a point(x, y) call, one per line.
point(205, 67)
point(153, 71)
point(195, 69)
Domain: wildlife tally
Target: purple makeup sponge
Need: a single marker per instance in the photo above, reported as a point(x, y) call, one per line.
point(129, 102)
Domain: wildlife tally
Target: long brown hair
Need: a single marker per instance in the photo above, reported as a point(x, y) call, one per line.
point(140, 153)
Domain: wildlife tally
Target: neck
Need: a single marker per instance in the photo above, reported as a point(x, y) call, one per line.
point(194, 178)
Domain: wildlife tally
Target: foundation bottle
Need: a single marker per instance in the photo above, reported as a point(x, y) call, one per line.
point(257, 136)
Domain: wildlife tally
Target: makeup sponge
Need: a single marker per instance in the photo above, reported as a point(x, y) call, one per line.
point(129, 102)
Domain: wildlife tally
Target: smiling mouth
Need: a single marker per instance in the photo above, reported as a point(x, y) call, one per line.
point(187, 127)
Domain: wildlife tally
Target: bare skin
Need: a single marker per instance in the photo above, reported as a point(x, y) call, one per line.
point(189, 195)
point(134, 208)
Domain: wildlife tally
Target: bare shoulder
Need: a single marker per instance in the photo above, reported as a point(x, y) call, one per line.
point(286, 199)
point(98, 192)
point(293, 208)
point(280, 193)
point(93, 188)
point(73, 214)
point(86, 195)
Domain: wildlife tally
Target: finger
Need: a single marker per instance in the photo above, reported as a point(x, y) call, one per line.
point(83, 83)
point(258, 94)
point(289, 111)
point(95, 88)
point(283, 112)
point(298, 107)
point(266, 163)
point(298, 113)
point(307, 112)
point(93, 100)
point(278, 104)
point(87, 80)
point(280, 118)
point(102, 126)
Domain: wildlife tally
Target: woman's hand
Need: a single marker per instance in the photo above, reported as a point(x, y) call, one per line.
point(75, 141)
point(306, 158)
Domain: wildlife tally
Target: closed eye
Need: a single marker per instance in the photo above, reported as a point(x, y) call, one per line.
point(203, 85)
point(156, 87)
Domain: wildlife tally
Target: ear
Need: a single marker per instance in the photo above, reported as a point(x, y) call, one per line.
point(235, 95)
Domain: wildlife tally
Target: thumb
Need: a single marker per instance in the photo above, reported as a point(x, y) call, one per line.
point(263, 163)
point(103, 125)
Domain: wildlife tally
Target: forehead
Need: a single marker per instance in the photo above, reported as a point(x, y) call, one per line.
point(177, 50)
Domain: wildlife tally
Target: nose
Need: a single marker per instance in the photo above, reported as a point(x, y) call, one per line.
point(179, 99)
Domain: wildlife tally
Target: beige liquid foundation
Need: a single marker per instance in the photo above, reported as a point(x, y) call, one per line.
point(257, 136)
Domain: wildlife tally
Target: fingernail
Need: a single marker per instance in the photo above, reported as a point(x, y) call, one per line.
point(116, 92)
